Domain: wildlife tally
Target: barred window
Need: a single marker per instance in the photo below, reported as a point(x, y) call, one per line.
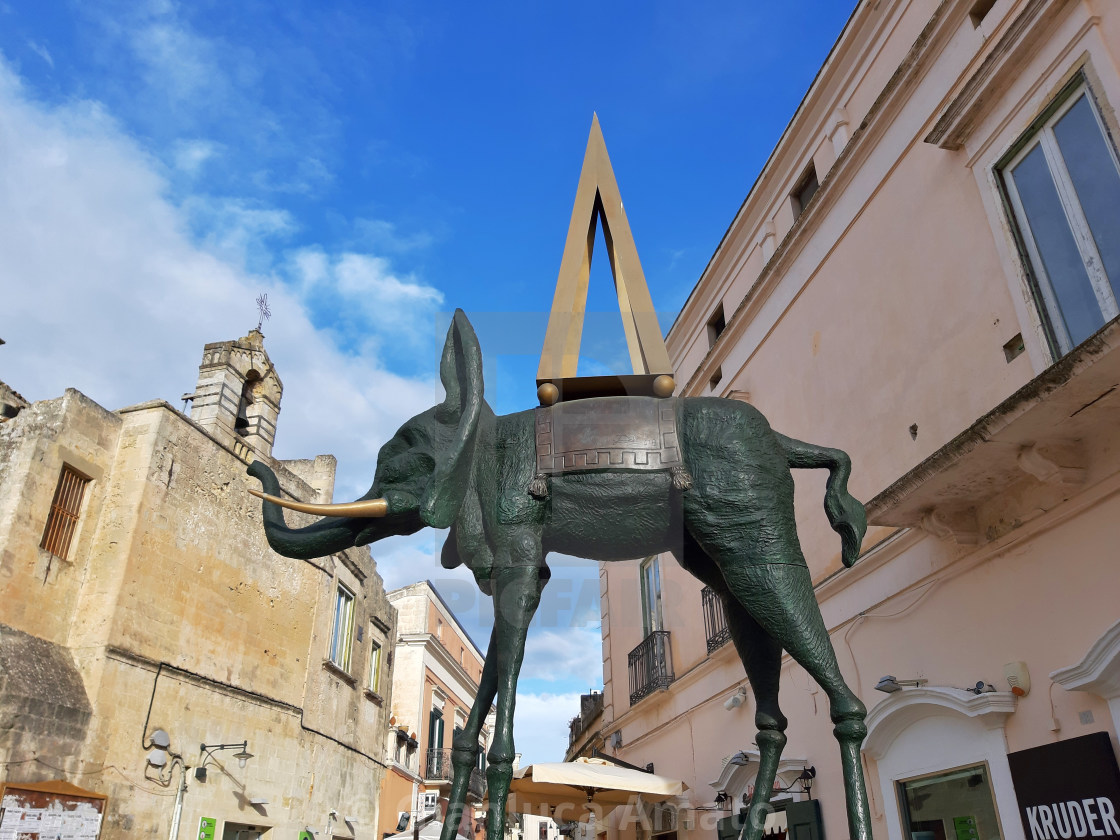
point(63, 518)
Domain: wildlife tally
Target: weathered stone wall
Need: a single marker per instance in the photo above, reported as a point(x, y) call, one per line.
point(38, 592)
point(44, 711)
point(172, 612)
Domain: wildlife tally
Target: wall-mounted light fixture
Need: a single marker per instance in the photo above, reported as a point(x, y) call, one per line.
point(721, 799)
point(981, 687)
point(208, 750)
point(740, 759)
point(889, 685)
point(807, 777)
point(736, 700)
point(616, 739)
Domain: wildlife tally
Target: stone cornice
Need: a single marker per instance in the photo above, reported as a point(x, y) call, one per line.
point(1098, 671)
point(890, 101)
point(997, 69)
point(440, 654)
point(807, 124)
point(785, 765)
point(897, 711)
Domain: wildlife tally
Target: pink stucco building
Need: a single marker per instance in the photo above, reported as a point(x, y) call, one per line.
point(926, 275)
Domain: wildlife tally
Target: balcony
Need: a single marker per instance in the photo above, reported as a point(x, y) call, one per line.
point(438, 769)
point(476, 787)
point(651, 666)
point(715, 622)
point(438, 766)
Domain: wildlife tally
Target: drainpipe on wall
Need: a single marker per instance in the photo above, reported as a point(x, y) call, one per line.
point(173, 835)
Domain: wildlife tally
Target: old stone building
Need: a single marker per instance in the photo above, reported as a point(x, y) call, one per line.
point(149, 637)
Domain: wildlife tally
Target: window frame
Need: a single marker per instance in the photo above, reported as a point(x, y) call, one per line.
point(653, 615)
point(342, 658)
point(375, 656)
point(904, 813)
point(64, 515)
point(1040, 132)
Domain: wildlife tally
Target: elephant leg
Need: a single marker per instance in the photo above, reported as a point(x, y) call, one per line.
point(517, 593)
point(780, 598)
point(465, 748)
point(762, 660)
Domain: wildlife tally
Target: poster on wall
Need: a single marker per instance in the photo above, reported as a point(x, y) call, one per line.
point(1067, 789)
point(49, 811)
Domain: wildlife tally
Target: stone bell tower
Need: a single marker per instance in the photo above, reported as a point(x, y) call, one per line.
point(237, 398)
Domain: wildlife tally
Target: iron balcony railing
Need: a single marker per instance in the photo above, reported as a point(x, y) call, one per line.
point(651, 666)
point(477, 784)
point(438, 766)
point(715, 622)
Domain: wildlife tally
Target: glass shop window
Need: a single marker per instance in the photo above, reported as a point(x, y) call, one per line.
point(953, 805)
point(342, 632)
point(651, 596)
point(1063, 186)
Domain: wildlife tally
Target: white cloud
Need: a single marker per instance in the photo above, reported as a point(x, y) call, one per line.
point(541, 722)
point(373, 304)
point(386, 236)
point(190, 155)
point(41, 51)
point(105, 291)
point(573, 656)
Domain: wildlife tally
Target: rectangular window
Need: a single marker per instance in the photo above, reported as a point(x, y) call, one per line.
point(62, 520)
point(1063, 186)
point(954, 805)
point(651, 595)
point(342, 633)
point(804, 191)
point(716, 325)
point(375, 667)
point(435, 729)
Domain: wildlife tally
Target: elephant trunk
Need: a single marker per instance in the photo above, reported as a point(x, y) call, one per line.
point(318, 540)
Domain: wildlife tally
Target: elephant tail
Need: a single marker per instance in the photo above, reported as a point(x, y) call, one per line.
point(846, 514)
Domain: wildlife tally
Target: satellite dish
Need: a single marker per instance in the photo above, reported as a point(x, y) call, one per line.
point(161, 739)
point(157, 758)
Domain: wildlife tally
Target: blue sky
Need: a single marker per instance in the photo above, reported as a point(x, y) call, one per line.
point(371, 166)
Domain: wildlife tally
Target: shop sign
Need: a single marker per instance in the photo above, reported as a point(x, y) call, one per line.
point(1068, 789)
point(206, 826)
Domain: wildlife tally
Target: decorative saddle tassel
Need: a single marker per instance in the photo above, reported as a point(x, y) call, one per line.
point(681, 479)
point(538, 487)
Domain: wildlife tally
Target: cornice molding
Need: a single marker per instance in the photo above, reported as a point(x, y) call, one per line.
point(440, 654)
point(903, 708)
point(996, 71)
point(929, 44)
point(741, 775)
point(1098, 671)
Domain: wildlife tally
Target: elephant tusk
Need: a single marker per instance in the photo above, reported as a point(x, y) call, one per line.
point(368, 508)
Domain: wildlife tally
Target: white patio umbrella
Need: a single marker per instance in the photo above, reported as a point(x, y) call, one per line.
point(573, 790)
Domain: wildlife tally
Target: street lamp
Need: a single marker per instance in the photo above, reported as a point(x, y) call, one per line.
point(208, 750)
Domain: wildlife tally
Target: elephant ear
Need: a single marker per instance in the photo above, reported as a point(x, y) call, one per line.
point(460, 369)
